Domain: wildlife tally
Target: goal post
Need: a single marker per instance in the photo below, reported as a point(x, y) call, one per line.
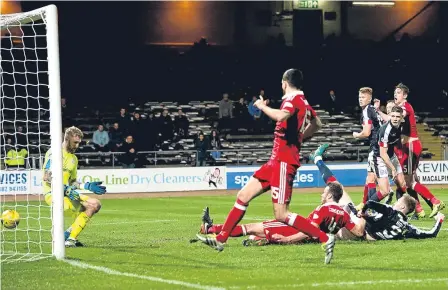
point(30, 124)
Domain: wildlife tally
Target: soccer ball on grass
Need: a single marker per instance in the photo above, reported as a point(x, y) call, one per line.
point(10, 219)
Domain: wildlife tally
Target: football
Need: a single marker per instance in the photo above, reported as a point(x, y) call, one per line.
point(10, 219)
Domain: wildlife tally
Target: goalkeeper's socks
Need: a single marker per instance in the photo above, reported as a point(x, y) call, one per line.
point(326, 173)
point(79, 225)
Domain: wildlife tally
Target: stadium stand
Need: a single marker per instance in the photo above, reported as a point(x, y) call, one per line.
point(231, 70)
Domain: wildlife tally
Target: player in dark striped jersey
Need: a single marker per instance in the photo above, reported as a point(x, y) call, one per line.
point(384, 162)
point(371, 123)
point(385, 222)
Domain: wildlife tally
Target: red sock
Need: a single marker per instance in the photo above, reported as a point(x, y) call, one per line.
point(238, 231)
point(303, 225)
point(234, 217)
point(366, 191)
point(380, 195)
point(418, 207)
point(331, 179)
point(424, 192)
point(215, 229)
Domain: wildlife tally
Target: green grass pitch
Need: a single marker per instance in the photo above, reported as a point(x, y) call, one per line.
point(144, 244)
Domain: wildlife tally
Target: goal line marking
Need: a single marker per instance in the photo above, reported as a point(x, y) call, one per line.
point(143, 277)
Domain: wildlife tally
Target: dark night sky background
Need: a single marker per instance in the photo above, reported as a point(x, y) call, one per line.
point(98, 41)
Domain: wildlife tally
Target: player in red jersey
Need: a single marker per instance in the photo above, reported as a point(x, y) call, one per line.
point(410, 153)
point(330, 217)
point(376, 221)
point(296, 122)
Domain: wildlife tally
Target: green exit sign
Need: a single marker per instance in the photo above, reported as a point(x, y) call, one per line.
point(308, 4)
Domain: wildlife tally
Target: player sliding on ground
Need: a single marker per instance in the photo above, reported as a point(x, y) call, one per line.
point(83, 206)
point(377, 222)
point(296, 122)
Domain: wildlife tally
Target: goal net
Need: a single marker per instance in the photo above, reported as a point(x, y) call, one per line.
point(30, 124)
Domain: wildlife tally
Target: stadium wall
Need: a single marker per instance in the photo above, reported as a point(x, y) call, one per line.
point(202, 178)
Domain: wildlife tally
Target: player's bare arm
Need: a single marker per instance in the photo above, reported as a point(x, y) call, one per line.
point(365, 133)
point(359, 228)
point(296, 238)
point(274, 114)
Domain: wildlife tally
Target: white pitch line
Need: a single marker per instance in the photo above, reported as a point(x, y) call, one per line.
point(352, 283)
point(132, 275)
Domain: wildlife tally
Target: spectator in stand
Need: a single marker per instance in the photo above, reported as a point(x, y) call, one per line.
point(225, 112)
point(100, 139)
point(21, 137)
point(201, 150)
point(166, 126)
point(241, 111)
point(254, 111)
point(255, 114)
point(138, 131)
point(332, 105)
point(124, 121)
point(181, 124)
point(66, 116)
point(267, 123)
point(115, 137)
point(129, 158)
point(15, 157)
point(153, 131)
point(215, 144)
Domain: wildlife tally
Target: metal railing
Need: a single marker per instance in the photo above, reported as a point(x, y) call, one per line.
point(189, 157)
point(183, 157)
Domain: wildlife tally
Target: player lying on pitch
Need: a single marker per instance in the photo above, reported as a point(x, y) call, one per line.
point(377, 222)
point(83, 206)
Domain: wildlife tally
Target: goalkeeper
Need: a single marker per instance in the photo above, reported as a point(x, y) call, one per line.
point(83, 206)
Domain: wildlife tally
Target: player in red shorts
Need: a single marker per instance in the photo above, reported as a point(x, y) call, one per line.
point(329, 217)
point(409, 155)
point(296, 122)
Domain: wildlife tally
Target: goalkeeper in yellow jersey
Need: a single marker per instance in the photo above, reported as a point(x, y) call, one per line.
point(82, 205)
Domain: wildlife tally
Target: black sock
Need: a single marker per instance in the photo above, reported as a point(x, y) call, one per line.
point(373, 196)
point(414, 194)
point(399, 193)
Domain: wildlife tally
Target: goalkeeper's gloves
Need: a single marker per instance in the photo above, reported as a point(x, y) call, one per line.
point(70, 192)
point(95, 187)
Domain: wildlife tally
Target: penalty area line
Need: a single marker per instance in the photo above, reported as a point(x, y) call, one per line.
point(353, 283)
point(143, 277)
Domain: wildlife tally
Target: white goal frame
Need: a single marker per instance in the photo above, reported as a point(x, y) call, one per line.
point(49, 15)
